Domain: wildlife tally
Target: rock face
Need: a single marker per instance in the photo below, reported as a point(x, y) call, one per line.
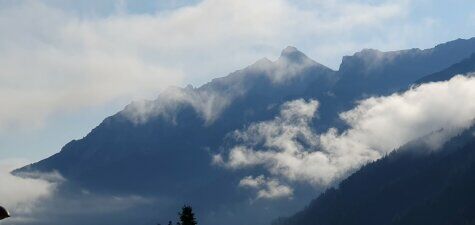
point(163, 148)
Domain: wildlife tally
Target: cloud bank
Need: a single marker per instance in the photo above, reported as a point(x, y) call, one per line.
point(34, 198)
point(289, 149)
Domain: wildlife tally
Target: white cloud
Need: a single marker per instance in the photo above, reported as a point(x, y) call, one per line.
point(267, 188)
point(208, 104)
point(288, 148)
point(19, 195)
point(290, 132)
point(53, 61)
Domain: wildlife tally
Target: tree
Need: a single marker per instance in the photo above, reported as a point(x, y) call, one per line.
point(187, 217)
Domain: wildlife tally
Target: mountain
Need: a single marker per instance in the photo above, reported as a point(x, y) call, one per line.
point(162, 148)
point(413, 185)
point(173, 133)
point(165, 145)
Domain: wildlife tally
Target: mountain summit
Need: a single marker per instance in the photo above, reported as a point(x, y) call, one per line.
point(293, 54)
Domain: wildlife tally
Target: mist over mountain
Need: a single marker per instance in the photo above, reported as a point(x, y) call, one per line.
point(162, 150)
point(412, 185)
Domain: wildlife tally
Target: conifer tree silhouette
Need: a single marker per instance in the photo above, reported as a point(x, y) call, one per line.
point(187, 217)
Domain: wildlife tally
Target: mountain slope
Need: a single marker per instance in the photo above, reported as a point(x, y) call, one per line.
point(463, 67)
point(413, 185)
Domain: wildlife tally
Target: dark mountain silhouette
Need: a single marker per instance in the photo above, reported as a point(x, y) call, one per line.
point(162, 148)
point(412, 185)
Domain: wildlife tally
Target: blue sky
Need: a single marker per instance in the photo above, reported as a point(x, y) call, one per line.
point(66, 65)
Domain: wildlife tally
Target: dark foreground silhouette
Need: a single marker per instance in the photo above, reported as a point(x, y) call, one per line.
point(3, 213)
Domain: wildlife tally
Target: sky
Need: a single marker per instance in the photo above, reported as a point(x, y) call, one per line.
point(66, 65)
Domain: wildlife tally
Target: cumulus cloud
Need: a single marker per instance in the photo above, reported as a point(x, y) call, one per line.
point(53, 60)
point(267, 188)
point(289, 149)
point(20, 194)
point(289, 131)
